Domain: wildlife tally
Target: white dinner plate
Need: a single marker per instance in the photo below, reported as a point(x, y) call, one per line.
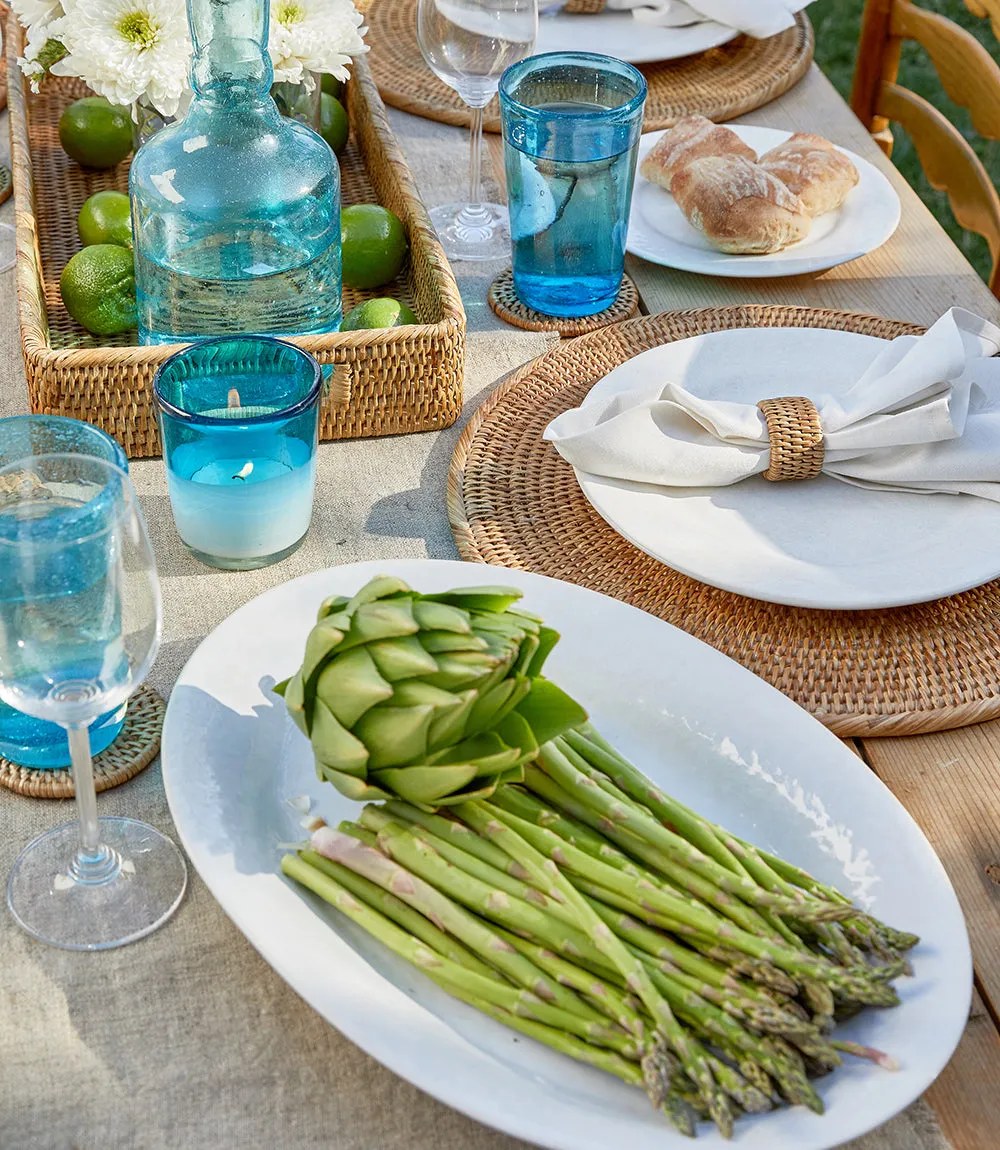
point(820, 543)
point(658, 231)
point(702, 726)
point(620, 35)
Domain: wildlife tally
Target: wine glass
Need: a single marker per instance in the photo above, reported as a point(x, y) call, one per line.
point(80, 622)
point(468, 44)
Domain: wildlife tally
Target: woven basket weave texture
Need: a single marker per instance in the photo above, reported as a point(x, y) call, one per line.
point(721, 83)
point(514, 501)
point(388, 381)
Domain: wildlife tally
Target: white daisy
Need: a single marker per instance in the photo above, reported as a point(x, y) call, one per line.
point(309, 36)
point(34, 13)
point(125, 49)
point(42, 49)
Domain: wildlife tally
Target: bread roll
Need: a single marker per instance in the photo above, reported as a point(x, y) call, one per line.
point(687, 140)
point(741, 208)
point(811, 167)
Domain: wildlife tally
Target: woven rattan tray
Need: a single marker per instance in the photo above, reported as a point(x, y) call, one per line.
point(514, 501)
point(721, 83)
point(395, 380)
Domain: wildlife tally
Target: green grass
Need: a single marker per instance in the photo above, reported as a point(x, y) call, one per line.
point(837, 23)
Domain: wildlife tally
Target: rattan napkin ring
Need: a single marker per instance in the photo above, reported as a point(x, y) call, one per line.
point(796, 438)
point(586, 7)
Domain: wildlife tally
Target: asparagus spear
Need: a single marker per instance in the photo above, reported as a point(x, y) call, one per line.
point(398, 912)
point(456, 979)
point(423, 862)
point(683, 882)
point(376, 819)
point(546, 876)
point(854, 983)
point(587, 741)
point(444, 914)
point(601, 994)
point(627, 813)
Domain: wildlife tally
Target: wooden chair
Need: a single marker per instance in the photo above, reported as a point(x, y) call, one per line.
point(969, 75)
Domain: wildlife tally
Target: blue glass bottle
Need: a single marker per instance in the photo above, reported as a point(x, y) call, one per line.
point(235, 209)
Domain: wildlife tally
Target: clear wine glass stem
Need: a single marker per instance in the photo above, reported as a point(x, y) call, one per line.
point(476, 156)
point(93, 863)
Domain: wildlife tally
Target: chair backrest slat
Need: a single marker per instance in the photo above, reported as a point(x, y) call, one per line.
point(970, 76)
point(988, 9)
point(949, 163)
point(968, 73)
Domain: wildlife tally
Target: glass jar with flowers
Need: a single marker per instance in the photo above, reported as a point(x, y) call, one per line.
point(137, 53)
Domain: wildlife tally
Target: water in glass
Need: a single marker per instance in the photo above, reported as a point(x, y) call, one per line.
point(79, 628)
point(571, 125)
point(235, 209)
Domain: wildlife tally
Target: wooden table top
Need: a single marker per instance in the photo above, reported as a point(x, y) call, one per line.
point(949, 782)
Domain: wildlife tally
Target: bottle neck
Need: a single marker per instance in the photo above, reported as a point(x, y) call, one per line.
point(230, 47)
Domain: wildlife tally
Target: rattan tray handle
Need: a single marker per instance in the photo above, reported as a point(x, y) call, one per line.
point(796, 437)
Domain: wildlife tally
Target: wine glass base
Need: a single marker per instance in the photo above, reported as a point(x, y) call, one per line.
point(473, 231)
point(142, 890)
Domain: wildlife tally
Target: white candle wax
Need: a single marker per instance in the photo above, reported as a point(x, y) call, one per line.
point(242, 507)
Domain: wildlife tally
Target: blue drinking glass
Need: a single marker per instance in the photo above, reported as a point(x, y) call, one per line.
point(25, 739)
point(571, 127)
point(240, 425)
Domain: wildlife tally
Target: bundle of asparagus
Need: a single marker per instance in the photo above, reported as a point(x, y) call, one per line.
point(581, 905)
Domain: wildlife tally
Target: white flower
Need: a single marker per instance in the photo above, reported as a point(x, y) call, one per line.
point(32, 13)
point(314, 36)
point(125, 49)
point(42, 48)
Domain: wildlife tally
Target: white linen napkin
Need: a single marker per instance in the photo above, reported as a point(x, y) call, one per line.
point(924, 417)
point(760, 18)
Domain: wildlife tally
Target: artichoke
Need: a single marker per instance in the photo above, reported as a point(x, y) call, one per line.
point(436, 699)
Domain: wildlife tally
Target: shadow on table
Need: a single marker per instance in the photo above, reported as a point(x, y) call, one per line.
point(417, 513)
point(226, 776)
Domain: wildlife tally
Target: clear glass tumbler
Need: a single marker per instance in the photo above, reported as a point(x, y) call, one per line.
point(571, 127)
point(24, 739)
point(240, 424)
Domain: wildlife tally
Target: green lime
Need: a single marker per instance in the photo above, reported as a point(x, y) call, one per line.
point(95, 133)
point(373, 245)
point(98, 289)
point(333, 123)
point(378, 313)
point(105, 219)
point(332, 86)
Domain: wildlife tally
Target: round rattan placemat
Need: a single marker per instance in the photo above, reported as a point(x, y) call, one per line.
point(503, 300)
point(721, 83)
point(138, 743)
point(514, 501)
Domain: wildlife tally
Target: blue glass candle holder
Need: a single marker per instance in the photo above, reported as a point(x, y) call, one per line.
point(571, 126)
point(24, 739)
point(240, 424)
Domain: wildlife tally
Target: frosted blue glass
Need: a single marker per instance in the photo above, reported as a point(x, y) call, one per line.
point(235, 209)
point(240, 423)
point(571, 127)
point(24, 739)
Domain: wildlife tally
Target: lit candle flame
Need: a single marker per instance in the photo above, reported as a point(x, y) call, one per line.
point(244, 471)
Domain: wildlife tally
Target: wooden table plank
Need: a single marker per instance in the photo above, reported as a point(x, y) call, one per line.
point(950, 783)
point(964, 1098)
point(916, 275)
